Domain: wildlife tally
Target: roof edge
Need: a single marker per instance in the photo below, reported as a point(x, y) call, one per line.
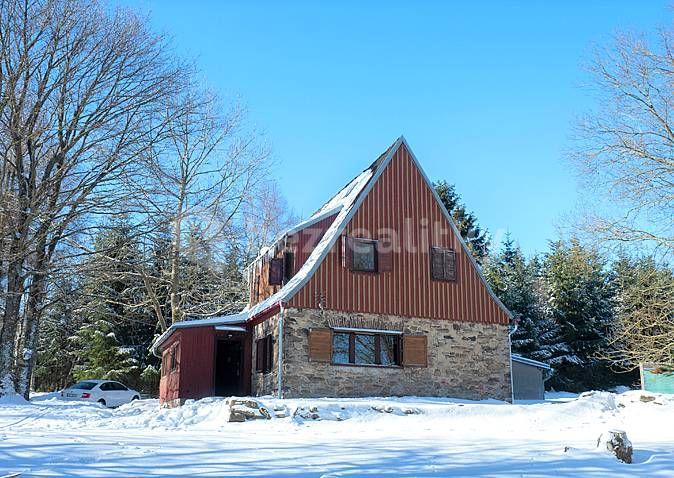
point(528, 361)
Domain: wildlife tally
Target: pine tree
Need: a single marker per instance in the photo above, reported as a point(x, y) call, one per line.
point(515, 282)
point(475, 237)
point(579, 309)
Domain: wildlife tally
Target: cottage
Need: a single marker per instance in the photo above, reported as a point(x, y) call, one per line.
point(374, 294)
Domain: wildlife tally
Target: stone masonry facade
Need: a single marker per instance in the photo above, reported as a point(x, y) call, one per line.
point(266, 383)
point(465, 360)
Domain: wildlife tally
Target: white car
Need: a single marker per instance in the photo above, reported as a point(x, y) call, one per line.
point(105, 392)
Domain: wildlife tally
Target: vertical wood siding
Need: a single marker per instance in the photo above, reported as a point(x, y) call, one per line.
point(300, 244)
point(402, 202)
point(197, 354)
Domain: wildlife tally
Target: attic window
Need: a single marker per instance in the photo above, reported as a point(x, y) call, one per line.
point(364, 255)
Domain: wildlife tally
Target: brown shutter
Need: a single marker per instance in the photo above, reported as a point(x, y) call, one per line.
point(259, 355)
point(415, 352)
point(437, 263)
point(269, 353)
point(384, 257)
point(320, 345)
point(450, 265)
point(347, 252)
point(276, 271)
point(288, 265)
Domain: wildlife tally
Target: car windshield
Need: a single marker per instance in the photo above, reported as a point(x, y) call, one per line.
point(84, 386)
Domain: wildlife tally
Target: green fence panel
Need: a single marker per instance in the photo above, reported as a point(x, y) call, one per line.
point(654, 379)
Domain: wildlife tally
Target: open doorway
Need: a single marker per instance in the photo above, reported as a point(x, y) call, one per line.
point(229, 368)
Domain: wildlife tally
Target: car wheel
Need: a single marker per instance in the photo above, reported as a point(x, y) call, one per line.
point(135, 397)
point(102, 402)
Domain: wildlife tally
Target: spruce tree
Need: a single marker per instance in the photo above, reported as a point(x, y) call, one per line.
point(56, 350)
point(118, 324)
point(101, 354)
point(475, 237)
point(515, 281)
point(579, 308)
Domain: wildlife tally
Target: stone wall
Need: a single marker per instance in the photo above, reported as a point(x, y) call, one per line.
point(465, 360)
point(265, 383)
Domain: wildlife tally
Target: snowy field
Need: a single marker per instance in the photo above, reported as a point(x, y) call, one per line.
point(404, 437)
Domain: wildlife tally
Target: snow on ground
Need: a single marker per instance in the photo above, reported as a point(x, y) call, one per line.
point(404, 437)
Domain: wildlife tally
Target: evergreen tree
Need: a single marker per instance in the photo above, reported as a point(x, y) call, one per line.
point(579, 308)
point(56, 350)
point(101, 356)
point(515, 281)
point(475, 237)
point(118, 324)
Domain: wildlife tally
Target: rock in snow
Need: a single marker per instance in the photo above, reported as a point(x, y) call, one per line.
point(617, 443)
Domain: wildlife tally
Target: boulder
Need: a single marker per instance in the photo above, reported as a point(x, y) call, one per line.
point(236, 416)
point(616, 443)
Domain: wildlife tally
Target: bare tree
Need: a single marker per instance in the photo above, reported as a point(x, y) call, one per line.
point(198, 177)
point(265, 215)
point(643, 331)
point(625, 148)
point(81, 88)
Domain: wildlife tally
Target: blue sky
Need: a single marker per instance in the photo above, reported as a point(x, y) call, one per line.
point(484, 92)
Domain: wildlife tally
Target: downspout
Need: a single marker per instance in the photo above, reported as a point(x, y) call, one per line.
point(280, 350)
point(510, 347)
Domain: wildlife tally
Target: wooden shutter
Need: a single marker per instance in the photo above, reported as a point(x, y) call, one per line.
point(288, 265)
point(320, 345)
point(269, 353)
point(259, 355)
point(347, 252)
point(415, 353)
point(450, 265)
point(437, 264)
point(276, 271)
point(384, 257)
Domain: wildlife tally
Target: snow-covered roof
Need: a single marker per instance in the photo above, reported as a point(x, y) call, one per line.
point(528, 361)
point(239, 318)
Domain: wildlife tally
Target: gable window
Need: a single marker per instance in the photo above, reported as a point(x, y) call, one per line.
point(364, 255)
point(366, 348)
point(443, 264)
point(264, 354)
